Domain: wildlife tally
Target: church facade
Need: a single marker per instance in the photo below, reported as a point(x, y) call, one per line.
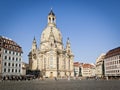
point(51, 58)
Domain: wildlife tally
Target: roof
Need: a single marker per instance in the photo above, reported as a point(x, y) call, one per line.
point(51, 13)
point(9, 44)
point(77, 64)
point(113, 52)
point(87, 66)
point(100, 58)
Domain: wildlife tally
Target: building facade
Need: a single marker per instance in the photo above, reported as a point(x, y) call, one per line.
point(77, 69)
point(100, 66)
point(88, 70)
point(10, 57)
point(112, 63)
point(25, 67)
point(51, 58)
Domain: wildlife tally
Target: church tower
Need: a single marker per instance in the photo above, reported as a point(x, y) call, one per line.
point(34, 45)
point(68, 48)
point(33, 56)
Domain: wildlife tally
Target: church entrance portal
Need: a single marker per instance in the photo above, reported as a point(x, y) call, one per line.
point(51, 74)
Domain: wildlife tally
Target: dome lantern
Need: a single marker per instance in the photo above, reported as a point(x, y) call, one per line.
point(51, 18)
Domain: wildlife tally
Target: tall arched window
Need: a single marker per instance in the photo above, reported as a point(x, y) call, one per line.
point(51, 59)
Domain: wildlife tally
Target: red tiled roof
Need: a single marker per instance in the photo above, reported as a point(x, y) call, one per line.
point(76, 64)
point(87, 66)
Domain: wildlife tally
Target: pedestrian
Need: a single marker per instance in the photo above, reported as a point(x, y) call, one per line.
point(68, 78)
point(55, 79)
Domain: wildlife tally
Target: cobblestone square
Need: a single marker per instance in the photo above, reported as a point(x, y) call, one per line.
point(61, 85)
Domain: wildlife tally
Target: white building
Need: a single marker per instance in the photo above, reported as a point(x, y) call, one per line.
point(51, 58)
point(88, 70)
point(100, 65)
point(112, 63)
point(10, 57)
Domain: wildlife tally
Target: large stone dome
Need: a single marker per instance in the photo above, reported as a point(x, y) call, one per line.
point(46, 33)
point(51, 27)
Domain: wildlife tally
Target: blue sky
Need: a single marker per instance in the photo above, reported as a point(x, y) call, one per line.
point(93, 26)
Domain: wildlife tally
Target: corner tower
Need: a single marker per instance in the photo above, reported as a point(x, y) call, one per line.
point(33, 56)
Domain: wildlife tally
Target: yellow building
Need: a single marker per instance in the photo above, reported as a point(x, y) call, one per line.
point(51, 57)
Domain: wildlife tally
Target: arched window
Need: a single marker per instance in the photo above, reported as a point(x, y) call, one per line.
point(51, 59)
point(53, 19)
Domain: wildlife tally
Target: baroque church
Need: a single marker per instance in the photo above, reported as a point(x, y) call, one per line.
point(51, 58)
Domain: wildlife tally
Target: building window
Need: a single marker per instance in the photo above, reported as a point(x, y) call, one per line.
point(10, 46)
point(5, 57)
point(5, 64)
point(51, 61)
point(9, 52)
point(5, 51)
point(19, 65)
point(16, 65)
point(0, 49)
point(16, 70)
point(4, 69)
point(8, 64)
point(13, 52)
point(8, 70)
point(13, 64)
point(12, 70)
point(16, 59)
point(20, 54)
point(6, 46)
point(13, 58)
point(9, 58)
point(19, 59)
point(19, 70)
point(0, 55)
point(16, 53)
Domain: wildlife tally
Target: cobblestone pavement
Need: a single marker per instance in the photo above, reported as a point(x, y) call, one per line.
point(61, 85)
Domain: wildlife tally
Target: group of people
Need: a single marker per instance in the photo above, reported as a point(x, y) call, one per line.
point(17, 78)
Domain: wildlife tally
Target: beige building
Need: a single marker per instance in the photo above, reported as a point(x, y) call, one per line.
point(100, 66)
point(88, 70)
point(25, 67)
point(51, 58)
